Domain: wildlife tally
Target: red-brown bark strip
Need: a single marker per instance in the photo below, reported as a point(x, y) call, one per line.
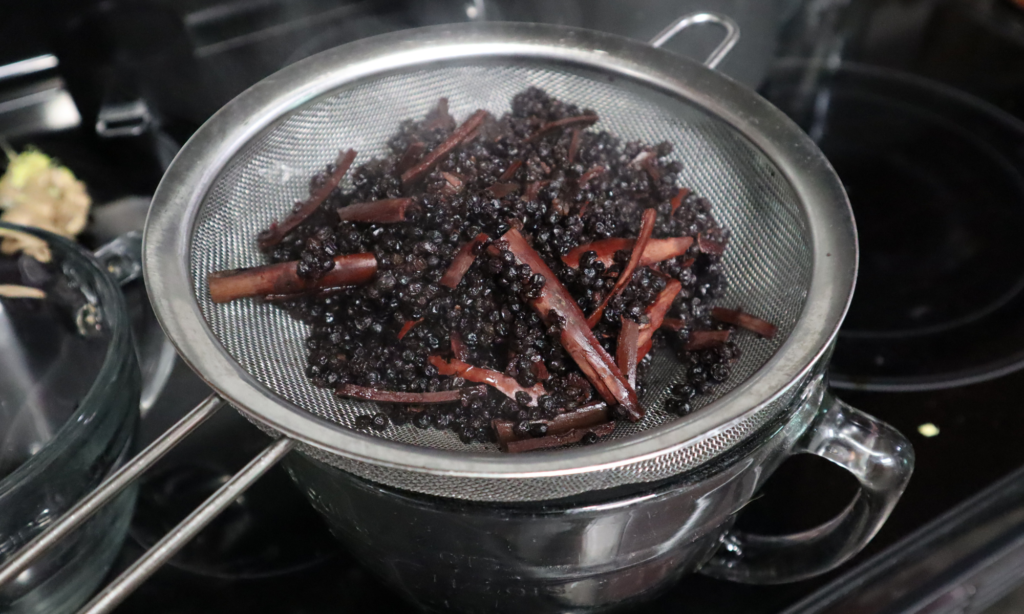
point(588, 415)
point(626, 349)
point(656, 315)
point(540, 370)
point(574, 145)
point(391, 396)
point(499, 381)
point(651, 166)
point(646, 228)
point(411, 156)
point(576, 337)
point(510, 172)
point(677, 200)
point(504, 431)
point(278, 230)
point(454, 140)
point(406, 327)
point(704, 339)
point(708, 246)
point(657, 250)
point(454, 182)
point(745, 320)
point(385, 211)
point(533, 188)
point(579, 120)
point(554, 441)
point(458, 347)
point(501, 190)
point(463, 260)
point(283, 279)
point(590, 173)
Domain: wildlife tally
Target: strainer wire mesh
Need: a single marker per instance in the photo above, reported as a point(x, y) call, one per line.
point(767, 264)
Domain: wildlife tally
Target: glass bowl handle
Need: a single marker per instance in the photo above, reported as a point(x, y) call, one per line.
point(881, 459)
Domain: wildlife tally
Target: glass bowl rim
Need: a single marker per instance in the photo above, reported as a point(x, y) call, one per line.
point(119, 348)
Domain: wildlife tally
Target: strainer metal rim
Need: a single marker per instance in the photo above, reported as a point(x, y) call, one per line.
point(176, 204)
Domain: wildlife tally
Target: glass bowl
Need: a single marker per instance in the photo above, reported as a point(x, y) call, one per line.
point(69, 398)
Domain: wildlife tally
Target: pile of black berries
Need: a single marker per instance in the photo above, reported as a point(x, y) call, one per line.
point(354, 332)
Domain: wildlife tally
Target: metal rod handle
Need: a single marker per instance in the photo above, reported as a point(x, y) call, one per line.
point(175, 540)
point(107, 490)
point(732, 34)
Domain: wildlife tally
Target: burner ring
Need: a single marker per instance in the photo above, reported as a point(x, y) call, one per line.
point(936, 180)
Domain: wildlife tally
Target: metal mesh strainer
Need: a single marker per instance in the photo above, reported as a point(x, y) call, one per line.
point(791, 259)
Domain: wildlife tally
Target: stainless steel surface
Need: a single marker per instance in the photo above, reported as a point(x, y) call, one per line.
point(159, 554)
point(106, 491)
point(34, 99)
point(766, 178)
point(28, 66)
point(732, 34)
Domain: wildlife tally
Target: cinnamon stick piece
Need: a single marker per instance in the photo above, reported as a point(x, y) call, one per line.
point(501, 382)
point(675, 324)
point(646, 228)
point(408, 327)
point(744, 320)
point(459, 350)
point(704, 339)
point(457, 138)
point(533, 188)
point(454, 182)
point(656, 315)
point(579, 120)
point(501, 190)
point(626, 349)
point(411, 155)
point(391, 396)
point(592, 172)
point(510, 171)
point(463, 260)
point(588, 415)
point(554, 441)
point(574, 145)
point(555, 302)
point(657, 250)
point(651, 166)
point(386, 211)
point(278, 230)
point(710, 246)
point(282, 278)
point(505, 431)
point(677, 200)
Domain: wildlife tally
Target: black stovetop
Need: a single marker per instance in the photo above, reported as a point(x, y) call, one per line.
point(271, 553)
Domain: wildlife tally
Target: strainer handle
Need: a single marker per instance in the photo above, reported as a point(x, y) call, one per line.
point(732, 34)
point(122, 258)
point(875, 453)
